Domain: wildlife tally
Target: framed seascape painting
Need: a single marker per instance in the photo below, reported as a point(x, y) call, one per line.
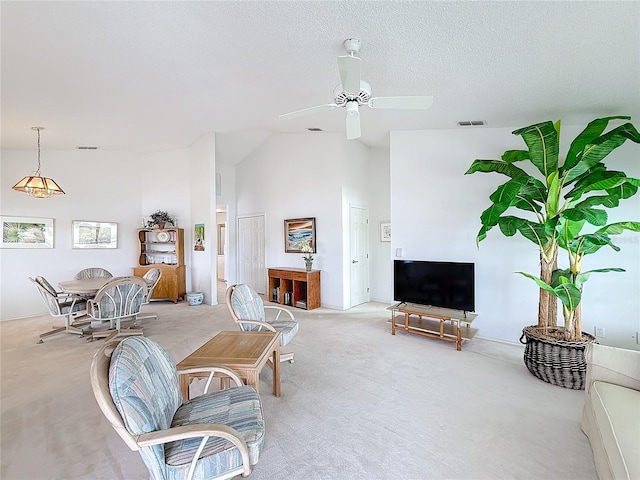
point(95, 234)
point(26, 232)
point(297, 231)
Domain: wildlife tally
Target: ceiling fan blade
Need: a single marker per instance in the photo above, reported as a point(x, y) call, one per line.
point(350, 73)
point(307, 111)
point(401, 102)
point(353, 124)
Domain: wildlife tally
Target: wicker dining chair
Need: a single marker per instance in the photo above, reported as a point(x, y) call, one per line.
point(64, 305)
point(120, 299)
point(93, 272)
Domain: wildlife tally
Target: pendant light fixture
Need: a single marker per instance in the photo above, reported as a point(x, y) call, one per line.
point(36, 185)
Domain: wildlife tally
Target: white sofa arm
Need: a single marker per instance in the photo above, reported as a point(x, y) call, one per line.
point(619, 366)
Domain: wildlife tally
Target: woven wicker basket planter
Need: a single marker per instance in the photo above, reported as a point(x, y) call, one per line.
point(557, 362)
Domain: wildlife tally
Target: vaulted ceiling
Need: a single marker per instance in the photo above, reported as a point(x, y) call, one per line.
point(151, 76)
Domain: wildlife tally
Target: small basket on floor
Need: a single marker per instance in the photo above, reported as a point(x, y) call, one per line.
point(195, 298)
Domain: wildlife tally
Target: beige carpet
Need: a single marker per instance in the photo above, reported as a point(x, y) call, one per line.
point(358, 403)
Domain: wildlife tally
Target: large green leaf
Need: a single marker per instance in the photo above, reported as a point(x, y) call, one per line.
point(602, 146)
point(592, 215)
point(619, 227)
point(553, 196)
point(495, 166)
point(502, 199)
point(626, 190)
point(591, 132)
point(598, 180)
point(609, 201)
point(532, 231)
point(568, 230)
point(542, 140)
point(568, 293)
point(589, 243)
point(511, 156)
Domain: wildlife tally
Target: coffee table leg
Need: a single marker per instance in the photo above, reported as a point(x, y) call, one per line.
point(253, 379)
point(184, 386)
point(276, 370)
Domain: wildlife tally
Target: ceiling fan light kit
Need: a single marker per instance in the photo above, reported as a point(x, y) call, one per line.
point(354, 92)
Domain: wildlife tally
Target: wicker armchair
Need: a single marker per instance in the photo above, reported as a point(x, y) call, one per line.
point(249, 312)
point(216, 435)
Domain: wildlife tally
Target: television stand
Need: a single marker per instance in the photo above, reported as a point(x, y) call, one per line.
point(434, 322)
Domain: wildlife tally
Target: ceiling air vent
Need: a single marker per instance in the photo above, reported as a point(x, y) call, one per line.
point(471, 123)
point(314, 129)
point(87, 148)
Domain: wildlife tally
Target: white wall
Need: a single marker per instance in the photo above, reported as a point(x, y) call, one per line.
point(166, 186)
point(435, 211)
point(227, 197)
point(380, 262)
point(355, 192)
point(296, 176)
point(99, 186)
point(203, 210)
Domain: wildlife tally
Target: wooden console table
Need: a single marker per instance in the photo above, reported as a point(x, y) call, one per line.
point(295, 287)
point(435, 322)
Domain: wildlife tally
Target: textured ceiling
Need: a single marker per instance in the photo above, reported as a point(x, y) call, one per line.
point(151, 76)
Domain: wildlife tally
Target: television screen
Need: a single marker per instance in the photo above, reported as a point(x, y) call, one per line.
point(438, 284)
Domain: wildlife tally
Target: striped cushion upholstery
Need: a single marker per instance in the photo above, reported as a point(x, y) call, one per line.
point(287, 329)
point(247, 305)
point(145, 389)
point(238, 408)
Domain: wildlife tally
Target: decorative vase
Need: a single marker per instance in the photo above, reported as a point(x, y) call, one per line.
point(308, 264)
point(161, 225)
point(557, 362)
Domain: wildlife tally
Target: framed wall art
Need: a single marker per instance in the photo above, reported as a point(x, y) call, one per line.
point(88, 234)
point(26, 232)
point(385, 232)
point(297, 231)
point(198, 234)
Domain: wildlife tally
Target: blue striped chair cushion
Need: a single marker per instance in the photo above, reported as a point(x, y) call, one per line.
point(287, 329)
point(238, 408)
point(144, 385)
point(247, 305)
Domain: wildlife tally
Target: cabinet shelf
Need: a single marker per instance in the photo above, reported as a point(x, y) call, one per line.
point(295, 287)
point(168, 256)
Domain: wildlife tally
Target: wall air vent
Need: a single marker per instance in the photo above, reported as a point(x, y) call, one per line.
point(471, 123)
point(87, 148)
point(314, 129)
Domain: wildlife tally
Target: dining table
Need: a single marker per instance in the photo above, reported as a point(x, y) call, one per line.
point(84, 286)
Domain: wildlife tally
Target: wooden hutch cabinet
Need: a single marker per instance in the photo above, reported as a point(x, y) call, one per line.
point(295, 287)
point(163, 249)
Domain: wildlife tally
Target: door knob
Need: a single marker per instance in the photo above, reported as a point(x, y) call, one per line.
point(354, 261)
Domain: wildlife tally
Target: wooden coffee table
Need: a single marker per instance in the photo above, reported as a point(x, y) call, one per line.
point(244, 352)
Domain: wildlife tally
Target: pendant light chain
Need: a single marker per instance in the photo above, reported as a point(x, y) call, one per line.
point(38, 130)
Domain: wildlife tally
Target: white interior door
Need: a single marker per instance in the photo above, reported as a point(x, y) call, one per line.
point(359, 250)
point(251, 252)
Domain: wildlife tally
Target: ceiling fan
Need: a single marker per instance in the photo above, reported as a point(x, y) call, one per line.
point(353, 92)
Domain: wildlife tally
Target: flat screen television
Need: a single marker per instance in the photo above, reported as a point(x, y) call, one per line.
point(438, 284)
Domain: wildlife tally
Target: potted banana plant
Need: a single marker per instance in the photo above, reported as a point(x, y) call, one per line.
point(554, 205)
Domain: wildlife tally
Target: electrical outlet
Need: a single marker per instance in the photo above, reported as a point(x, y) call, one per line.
point(599, 332)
